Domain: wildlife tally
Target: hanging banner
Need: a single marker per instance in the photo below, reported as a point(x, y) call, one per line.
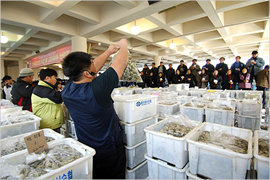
point(50, 58)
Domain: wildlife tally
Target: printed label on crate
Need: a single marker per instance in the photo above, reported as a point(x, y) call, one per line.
point(143, 103)
point(249, 107)
point(36, 142)
point(68, 175)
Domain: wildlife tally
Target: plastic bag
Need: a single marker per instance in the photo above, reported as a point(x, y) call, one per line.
point(13, 172)
point(11, 145)
point(219, 105)
point(178, 126)
point(263, 144)
point(223, 139)
point(131, 72)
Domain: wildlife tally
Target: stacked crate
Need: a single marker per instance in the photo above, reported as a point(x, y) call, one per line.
point(194, 110)
point(136, 112)
point(167, 155)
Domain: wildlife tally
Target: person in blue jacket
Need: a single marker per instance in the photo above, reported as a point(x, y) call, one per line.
point(254, 64)
point(237, 67)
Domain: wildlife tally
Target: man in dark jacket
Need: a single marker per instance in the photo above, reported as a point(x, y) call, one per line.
point(190, 78)
point(209, 68)
point(263, 82)
point(216, 81)
point(230, 80)
point(22, 90)
point(170, 74)
point(146, 71)
point(154, 70)
point(222, 69)
point(182, 68)
point(237, 67)
point(195, 68)
point(162, 68)
point(151, 81)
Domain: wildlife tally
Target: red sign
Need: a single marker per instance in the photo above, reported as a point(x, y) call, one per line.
point(50, 58)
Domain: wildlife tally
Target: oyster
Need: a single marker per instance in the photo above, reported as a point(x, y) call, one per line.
point(175, 129)
point(263, 147)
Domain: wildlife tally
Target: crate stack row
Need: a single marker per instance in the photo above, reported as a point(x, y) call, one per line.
point(136, 112)
point(14, 152)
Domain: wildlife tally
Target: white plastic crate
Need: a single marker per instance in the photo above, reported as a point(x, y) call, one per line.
point(197, 93)
point(10, 110)
point(185, 86)
point(20, 128)
point(215, 162)
point(183, 93)
point(133, 133)
point(211, 96)
point(175, 87)
point(202, 100)
point(169, 96)
point(261, 162)
point(81, 168)
point(121, 92)
point(192, 176)
point(240, 94)
point(139, 172)
point(254, 96)
point(135, 154)
point(226, 101)
point(185, 99)
point(167, 147)
point(47, 133)
point(225, 94)
point(132, 108)
point(247, 122)
point(249, 108)
point(158, 169)
point(193, 113)
point(219, 116)
point(137, 90)
point(164, 110)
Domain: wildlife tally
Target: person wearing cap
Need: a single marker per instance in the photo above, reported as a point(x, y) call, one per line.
point(22, 90)
point(254, 64)
point(182, 68)
point(89, 102)
point(162, 68)
point(237, 67)
point(154, 70)
point(263, 82)
point(195, 69)
point(209, 68)
point(170, 74)
point(222, 69)
point(46, 101)
point(8, 83)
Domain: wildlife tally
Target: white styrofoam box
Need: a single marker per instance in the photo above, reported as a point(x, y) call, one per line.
point(164, 110)
point(185, 86)
point(215, 162)
point(133, 133)
point(219, 116)
point(247, 122)
point(192, 176)
point(185, 99)
point(193, 113)
point(135, 154)
point(81, 168)
point(167, 147)
point(47, 133)
point(249, 108)
point(139, 172)
point(197, 93)
point(183, 93)
point(158, 169)
point(175, 87)
point(261, 162)
point(132, 108)
point(20, 128)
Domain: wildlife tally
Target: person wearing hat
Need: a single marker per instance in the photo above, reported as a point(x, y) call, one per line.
point(195, 69)
point(263, 82)
point(162, 68)
point(209, 68)
point(254, 64)
point(237, 67)
point(222, 70)
point(182, 68)
point(22, 90)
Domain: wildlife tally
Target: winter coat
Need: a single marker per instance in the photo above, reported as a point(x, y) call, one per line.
point(200, 83)
point(227, 84)
point(218, 85)
point(263, 78)
point(224, 68)
point(257, 67)
point(210, 70)
point(184, 68)
point(195, 71)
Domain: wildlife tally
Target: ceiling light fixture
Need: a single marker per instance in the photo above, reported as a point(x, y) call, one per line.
point(172, 45)
point(60, 65)
point(4, 39)
point(135, 29)
point(99, 43)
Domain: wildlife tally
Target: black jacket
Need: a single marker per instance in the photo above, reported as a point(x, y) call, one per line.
point(192, 82)
point(164, 70)
point(227, 84)
point(170, 73)
point(21, 94)
point(210, 70)
point(177, 79)
point(218, 85)
point(200, 83)
point(151, 81)
point(154, 71)
point(224, 70)
point(184, 67)
point(242, 65)
point(160, 83)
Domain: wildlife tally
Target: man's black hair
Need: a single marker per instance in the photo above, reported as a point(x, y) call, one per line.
point(222, 58)
point(154, 63)
point(194, 60)
point(254, 52)
point(238, 56)
point(47, 72)
point(266, 67)
point(6, 78)
point(75, 63)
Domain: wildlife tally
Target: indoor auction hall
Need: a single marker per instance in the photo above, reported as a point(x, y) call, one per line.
point(124, 89)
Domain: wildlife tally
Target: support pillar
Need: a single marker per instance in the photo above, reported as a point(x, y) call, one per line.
point(78, 44)
point(2, 69)
point(157, 60)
